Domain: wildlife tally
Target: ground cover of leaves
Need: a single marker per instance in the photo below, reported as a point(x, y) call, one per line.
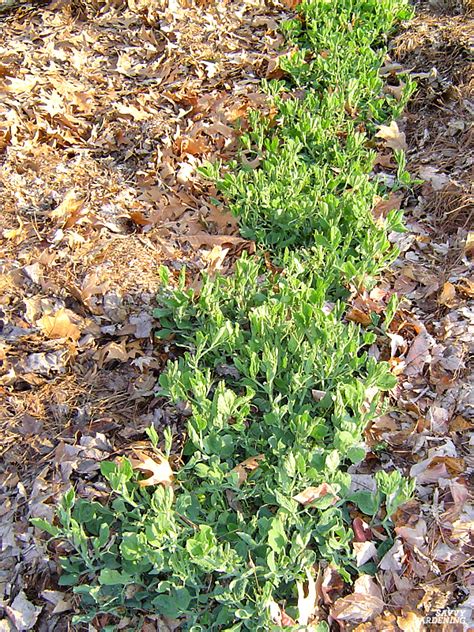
point(79, 271)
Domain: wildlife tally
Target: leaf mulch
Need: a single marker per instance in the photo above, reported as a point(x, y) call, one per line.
point(106, 112)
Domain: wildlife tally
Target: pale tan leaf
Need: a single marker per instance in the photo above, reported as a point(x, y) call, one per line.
point(13, 233)
point(70, 208)
point(364, 551)
point(410, 622)
point(307, 598)
point(215, 258)
point(394, 138)
point(59, 325)
point(185, 173)
point(311, 494)
point(363, 605)
point(158, 466)
point(131, 110)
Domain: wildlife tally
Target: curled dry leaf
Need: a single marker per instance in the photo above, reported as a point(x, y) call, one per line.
point(70, 208)
point(356, 315)
point(363, 605)
point(310, 494)
point(317, 395)
point(362, 531)
point(22, 613)
point(394, 138)
point(161, 472)
point(249, 465)
point(59, 325)
point(364, 551)
point(307, 598)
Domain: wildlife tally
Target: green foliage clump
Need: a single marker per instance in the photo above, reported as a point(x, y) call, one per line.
point(270, 372)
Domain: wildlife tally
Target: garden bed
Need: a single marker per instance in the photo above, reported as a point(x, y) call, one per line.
point(272, 361)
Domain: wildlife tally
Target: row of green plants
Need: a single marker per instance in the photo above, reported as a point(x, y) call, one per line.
point(277, 385)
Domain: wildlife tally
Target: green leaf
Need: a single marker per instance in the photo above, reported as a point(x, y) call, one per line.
point(45, 526)
point(110, 577)
point(367, 502)
point(277, 538)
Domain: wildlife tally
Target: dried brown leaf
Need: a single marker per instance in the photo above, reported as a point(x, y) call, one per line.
point(23, 613)
point(356, 315)
point(448, 295)
point(460, 424)
point(13, 233)
point(59, 325)
point(70, 208)
point(204, 239)
point(363, 605)
point(249, 465)
point(410, 622)
point(418, 354)
point(383, 207)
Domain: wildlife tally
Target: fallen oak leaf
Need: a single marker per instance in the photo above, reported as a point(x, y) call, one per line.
point(23, 613)
point(249, 465)
point(310, 494)
point(112, 351)
point(469, 244)
point(396, 91)
point(394, 138)
point(70, 208)
point(59, 325)
point(356, 315)
point(459, 424)
point(418, 354)
point(363, 604)
point(410, 622)
point(13, 233)
point(383, 207)
point(159, 467)
point(193, 146)
point(204, 239)
point(215, 258)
